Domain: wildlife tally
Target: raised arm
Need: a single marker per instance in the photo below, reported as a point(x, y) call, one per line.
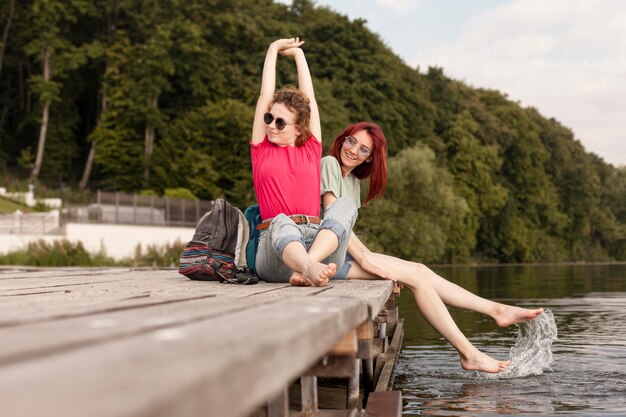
point(268, 85)
point(305, 84)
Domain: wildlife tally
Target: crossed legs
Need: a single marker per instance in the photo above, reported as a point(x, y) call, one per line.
point(283, 246)
point(310, 271)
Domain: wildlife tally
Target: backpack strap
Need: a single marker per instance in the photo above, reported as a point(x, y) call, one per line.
point(242, 276)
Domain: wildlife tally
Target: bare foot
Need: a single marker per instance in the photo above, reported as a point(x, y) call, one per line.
point(508, 315)
point(319, 274)
point(297, 280)
point(482, 362)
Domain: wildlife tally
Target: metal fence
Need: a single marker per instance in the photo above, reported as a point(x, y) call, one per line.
point(121, 208)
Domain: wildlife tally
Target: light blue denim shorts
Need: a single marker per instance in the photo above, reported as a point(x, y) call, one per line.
point(342, 271)
point(339, 218)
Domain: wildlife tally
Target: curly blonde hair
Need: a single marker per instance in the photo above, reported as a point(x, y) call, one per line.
point(298, 104)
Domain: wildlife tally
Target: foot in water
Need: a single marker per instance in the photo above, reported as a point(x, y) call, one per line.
point(315, 273)
point(508, 315)
point(482, 362)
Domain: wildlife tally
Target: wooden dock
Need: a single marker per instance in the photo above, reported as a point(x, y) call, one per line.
point(118, 342)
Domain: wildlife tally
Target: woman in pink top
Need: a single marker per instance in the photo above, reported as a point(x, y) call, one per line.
point(286, 150)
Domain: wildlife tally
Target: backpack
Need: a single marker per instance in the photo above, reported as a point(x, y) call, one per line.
point(217, 251)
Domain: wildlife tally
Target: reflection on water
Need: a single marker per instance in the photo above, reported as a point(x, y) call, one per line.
point(588, 374)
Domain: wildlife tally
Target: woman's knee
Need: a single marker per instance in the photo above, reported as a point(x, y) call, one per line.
point(417, 269)
point(340, 218)
point(283, 231)
point(341, 208)
point(416, 274)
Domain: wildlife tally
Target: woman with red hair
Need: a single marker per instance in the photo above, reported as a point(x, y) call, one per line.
point(360, 152)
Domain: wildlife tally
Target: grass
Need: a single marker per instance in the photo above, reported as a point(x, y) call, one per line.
point(66, 253)
point(9, 206)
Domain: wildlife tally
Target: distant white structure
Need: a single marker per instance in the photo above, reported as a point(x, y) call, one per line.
point(29, 199)
point(19, 222)
point(117, 241)
point(117, 229)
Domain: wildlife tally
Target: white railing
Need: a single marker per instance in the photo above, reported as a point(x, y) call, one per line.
point(30, 223)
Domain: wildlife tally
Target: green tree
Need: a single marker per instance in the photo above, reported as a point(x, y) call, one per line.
point(475, 168)
point(419, 210)
point(56, 54)
point(207, 151)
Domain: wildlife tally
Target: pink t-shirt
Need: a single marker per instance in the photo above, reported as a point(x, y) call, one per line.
point(287, 178)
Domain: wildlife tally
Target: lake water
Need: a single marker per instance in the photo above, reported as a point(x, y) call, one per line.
point(587, 373)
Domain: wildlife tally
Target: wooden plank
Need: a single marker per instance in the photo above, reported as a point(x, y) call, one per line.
point(347, 345)
point(141, 290)
point(42, 272)
point(327, 413)
point(279, 406)
point(210, 367)
point(384, 404)
point(374, 292)
point(333, 366)
point(55, 281)
point(29, 341)
point(138, 290)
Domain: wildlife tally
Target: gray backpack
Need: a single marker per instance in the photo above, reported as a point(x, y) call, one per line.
point(217, 251)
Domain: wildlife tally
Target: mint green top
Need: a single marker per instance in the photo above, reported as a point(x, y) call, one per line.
point(333, 181)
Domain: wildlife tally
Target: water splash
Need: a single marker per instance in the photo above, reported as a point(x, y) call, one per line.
point(532, 352)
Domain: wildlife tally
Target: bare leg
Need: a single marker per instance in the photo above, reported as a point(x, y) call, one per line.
point(434, 311)
point(456, 296)
point(298, 260)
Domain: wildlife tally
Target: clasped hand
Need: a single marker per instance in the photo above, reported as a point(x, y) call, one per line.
point(287, 47)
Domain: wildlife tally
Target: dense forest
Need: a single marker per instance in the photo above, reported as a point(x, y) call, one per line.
point(150, 95)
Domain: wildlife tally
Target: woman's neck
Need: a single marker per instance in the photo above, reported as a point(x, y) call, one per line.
point(345, 171)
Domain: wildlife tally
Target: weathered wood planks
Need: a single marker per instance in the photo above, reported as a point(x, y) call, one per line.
point(151, 343)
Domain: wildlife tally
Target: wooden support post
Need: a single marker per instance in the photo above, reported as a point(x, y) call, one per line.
point(378, 346)
point(392, 314)
point(368, 375)
point(381, 358)
point(382, 330)
point(353, 386)
point(365, 334)
point(308, 391)
point(384, 380)
point(279, 406)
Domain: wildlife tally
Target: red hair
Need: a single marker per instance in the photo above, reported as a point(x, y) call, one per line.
point(376, 168)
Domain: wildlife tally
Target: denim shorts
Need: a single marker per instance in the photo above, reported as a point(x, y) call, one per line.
point(339, 218)
point(342, 271)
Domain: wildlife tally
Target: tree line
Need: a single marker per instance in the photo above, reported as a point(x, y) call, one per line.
point(151, 95)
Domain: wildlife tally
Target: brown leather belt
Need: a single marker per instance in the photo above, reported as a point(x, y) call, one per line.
point(297, 219)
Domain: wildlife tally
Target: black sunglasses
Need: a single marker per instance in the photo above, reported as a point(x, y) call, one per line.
point(280, 122)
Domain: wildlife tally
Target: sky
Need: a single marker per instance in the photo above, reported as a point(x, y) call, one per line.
point(566, 58)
